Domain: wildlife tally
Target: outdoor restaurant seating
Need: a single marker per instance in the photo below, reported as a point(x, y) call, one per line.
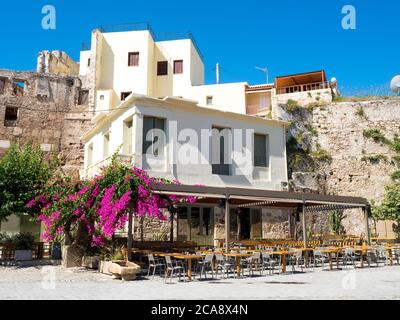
point(207, 265)
point(297, 259)
point(319, 257)
point(172, 267)
point(154, 264)
point(223, 265)
point(267, 257)
point(349, 255)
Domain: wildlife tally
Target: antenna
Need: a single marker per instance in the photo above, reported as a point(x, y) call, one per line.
point(265, 70)
point(217, 72)
point(395, 85)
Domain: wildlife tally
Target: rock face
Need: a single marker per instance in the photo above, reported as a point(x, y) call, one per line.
point(353, 169)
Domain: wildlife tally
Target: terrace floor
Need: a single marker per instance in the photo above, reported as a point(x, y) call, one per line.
point(55, 282)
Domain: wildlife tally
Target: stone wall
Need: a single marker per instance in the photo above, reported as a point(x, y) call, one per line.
point(340, 127)
point(56, 62)
point(47, 114)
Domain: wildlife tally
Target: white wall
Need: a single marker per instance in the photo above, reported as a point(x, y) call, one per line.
point(226, 97)
point(197, 119)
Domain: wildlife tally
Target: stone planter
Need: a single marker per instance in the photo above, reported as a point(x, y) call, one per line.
point(104, 267)
point(23, 255)
point(124, 270)
point(90, 262)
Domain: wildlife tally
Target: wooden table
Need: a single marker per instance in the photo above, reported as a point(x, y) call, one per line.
point(330, 252)
point(189, 259)
point(238, 257)
point(283, 255)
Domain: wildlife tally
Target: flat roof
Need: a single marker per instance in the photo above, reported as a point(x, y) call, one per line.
point(300, 78)
point(246, 197)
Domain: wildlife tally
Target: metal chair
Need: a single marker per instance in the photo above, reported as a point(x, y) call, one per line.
point(372, 256)
point(382, 254)
point(396, 255)
point(296, 259)
point(319, 256)
point(207, 262)
point(253, 263)
point(268, 263)
point(349, 254)
point(222, 264)
point(154, 263)
point(171, 267)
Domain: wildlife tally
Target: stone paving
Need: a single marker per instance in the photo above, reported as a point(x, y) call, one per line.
point(55, 282)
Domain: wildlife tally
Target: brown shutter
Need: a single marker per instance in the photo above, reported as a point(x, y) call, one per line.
point(178, 66)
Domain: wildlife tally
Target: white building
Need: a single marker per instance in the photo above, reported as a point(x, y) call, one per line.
point(120, 63)
point(253, 148)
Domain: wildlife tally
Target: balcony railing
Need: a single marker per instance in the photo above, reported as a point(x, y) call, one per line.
point(304, 87)
point(94, 169)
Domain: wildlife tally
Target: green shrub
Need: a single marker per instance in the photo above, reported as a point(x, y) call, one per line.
point(292, 106)
point(376, 135)
point(396, 175)
point(321, 155)
point(375, 159)
point(23, 241)
point(361, 113)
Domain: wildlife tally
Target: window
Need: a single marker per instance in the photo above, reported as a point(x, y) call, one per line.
point(162, 68)
point(11, 116)
point(178, 66)
point(127, 136)
point(209, 100)
point(88, 62)
point(90, 155)
point(133, 59)
point(102, 97)
point(196, 224)
point(18, 87)
point(260, 150)
point(2, 85)
point(220, 151)
point(83, 98)
point(106, 145)
point(125, 95)
point(153, 138)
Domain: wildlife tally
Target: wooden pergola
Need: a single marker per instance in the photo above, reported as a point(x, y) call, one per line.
point(256, 198)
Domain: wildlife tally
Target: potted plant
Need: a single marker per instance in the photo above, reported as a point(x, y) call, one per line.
point(23, 244)
point(108, 256)
point(56, 251)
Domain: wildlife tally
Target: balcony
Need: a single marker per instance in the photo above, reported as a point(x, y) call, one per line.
point(94, 169)
point(304, 87)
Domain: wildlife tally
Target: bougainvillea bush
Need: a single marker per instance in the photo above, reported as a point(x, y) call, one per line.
point(88, 213)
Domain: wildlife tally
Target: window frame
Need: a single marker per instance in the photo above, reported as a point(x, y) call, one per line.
point(164, 65)
point(80, 95)
point(135, 58)
point(181, 66)
point(125, 94)
point(263, 163)
point(146, 145)
point(11, 122)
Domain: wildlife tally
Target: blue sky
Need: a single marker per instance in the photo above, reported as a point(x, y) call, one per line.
point(287, 36)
